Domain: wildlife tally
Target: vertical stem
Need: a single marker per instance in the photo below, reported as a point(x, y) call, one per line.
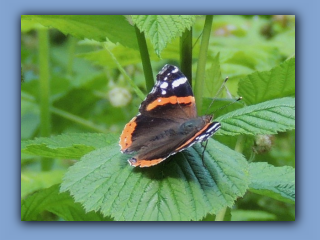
point(224, 215)
point(200, 74)
point(44, 82)
point(186, 54)
point(145, 58)
point(64, 114)
point(240, 144)
point(71, 54)
point(126, 76)
point(220, 215)
point(44, 90)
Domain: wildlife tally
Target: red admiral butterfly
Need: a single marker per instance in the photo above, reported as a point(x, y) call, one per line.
point(167, 121)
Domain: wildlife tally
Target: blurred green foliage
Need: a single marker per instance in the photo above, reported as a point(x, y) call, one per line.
point(88, 93)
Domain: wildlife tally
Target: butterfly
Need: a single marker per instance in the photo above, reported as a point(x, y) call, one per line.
point(167, 121)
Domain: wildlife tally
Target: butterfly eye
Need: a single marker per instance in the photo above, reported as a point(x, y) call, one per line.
point(188, 126)
point(185, 128)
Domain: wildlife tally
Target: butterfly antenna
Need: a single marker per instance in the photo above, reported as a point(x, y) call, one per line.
point(219, 91)
point(224, 106)
point(197, 40)
point(202, 155)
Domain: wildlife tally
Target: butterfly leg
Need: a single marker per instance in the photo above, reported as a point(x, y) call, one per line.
point(204, 145)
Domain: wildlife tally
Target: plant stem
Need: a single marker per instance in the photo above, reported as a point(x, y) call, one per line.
point(200, 74)
point(78, 120)
point(44, 88)
point(44, 91)
point(67, 115)
point(220, 215)
point(240, 144)
point(186, 54)
point(71, 54)
point(145, 58)
point(123, 72)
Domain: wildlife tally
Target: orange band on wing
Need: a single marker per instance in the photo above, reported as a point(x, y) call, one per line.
point(172, 100)
point(145, 163)
point(126, 135)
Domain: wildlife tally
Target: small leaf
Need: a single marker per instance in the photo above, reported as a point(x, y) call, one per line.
point(72, 145)
point(60, 204)
point(274, 182)
point(264, 118)
point(262, 86)
point(98, 27)
point(161, 29)
point(179, 189)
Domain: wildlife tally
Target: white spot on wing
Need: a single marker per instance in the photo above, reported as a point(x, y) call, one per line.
point(164, 85)
point(178, 82)
point(163, 92)
point(201, 137)
point(175, 70)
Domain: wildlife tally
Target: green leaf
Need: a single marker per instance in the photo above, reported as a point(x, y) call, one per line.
point(98, 27)
point(180, 188)
point(60, 204)
point(32, 181)
point(161, 29)
point(264, 118)
point(262, 86)
point(72, 145)
point(274, 182)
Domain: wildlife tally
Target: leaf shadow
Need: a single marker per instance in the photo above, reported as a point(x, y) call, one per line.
point(186, 165)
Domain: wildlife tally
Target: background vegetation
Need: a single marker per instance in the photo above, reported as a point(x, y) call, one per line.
point(82, 80)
